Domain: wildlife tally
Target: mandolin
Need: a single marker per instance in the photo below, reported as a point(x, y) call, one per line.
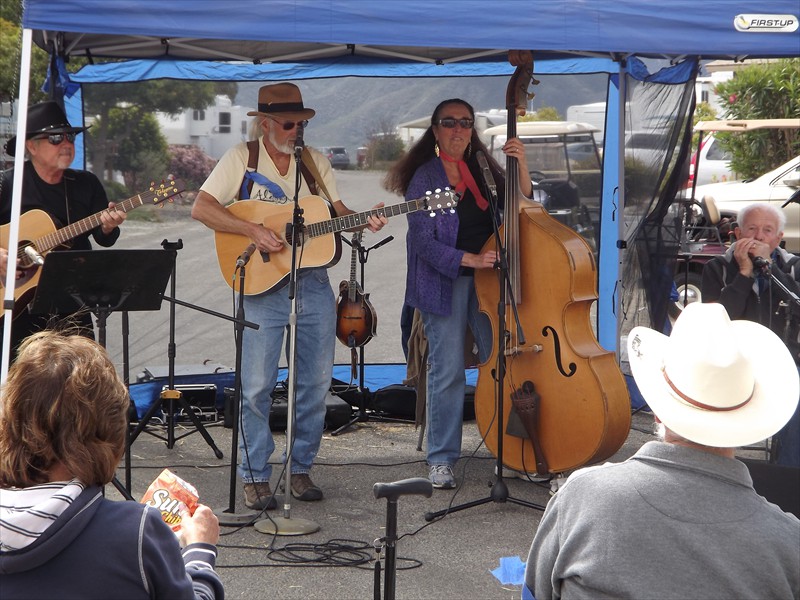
point(355, 316)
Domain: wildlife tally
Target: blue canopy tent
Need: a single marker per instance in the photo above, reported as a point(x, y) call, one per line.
point(325, 38)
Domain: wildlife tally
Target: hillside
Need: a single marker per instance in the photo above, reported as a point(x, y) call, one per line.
point(349, 108)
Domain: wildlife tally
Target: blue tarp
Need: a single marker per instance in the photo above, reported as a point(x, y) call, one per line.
point(376, 377)
point(712, 28)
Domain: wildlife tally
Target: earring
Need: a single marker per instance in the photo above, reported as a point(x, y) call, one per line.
point(468, 151)
point(436, 148)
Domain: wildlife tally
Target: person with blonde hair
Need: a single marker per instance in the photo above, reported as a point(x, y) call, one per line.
point(63, 421)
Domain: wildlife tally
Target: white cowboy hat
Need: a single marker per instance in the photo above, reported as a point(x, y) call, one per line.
point(714, 381)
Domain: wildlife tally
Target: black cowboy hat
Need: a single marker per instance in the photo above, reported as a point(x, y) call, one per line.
point(46, 117)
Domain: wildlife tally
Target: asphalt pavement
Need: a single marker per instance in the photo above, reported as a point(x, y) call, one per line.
point(450, 557)
point(201, 337)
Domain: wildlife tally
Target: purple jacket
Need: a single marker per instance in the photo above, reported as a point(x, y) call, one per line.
point(433, 260)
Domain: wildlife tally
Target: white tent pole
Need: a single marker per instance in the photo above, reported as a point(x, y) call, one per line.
point(16, 197)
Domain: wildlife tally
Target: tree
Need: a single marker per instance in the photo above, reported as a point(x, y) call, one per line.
point(702, 112)
point(10, 48)
point(762, 91)
point(545, 113)
point(141, 150)
point(384, 144)
point(168, 96)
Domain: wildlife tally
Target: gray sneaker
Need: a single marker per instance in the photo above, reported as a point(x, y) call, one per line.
point(442, 477)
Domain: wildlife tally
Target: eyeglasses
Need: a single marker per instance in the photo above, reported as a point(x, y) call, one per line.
point(57, 138)
point(289, 125)
point(450, 123)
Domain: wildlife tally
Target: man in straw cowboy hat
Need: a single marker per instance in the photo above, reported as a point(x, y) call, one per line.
point(266, 170)
point(681, 519)
point(66, 195)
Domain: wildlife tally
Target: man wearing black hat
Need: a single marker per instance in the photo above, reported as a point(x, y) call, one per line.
point(271, 170)
point(66, 195)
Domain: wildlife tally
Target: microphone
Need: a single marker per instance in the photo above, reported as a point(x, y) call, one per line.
point(244, 257)
point(761, 264)
point(35, 257)
point(299, 144)
point(488, 178)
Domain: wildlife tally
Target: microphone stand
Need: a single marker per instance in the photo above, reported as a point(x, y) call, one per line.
point(789, 296)
point(285, 525)
point(499, 490)
point(229, 517)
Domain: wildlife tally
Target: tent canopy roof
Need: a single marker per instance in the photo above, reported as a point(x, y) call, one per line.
point(435, 31)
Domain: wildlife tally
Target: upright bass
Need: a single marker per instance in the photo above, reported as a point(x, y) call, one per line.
point(564, 400)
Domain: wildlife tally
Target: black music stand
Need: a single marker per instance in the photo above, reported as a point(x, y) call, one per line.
point(103, 281)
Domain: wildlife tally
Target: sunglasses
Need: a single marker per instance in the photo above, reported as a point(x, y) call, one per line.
point(57, 138)
point(450, 123)
point(289, 125)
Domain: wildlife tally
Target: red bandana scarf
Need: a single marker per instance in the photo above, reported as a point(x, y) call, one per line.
point(467, 180)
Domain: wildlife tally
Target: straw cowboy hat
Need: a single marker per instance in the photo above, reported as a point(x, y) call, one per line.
point(714, 381)
point(281, 100)
point(46, 117)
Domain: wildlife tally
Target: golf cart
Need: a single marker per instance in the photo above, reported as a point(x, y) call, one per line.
point(566, 170)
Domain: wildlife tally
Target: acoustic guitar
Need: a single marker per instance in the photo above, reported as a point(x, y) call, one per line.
point(318, 244)
point(38, 235)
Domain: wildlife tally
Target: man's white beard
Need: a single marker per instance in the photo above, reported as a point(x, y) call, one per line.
point(284, 147)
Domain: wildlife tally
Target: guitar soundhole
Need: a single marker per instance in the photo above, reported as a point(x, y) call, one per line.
point(300, 238)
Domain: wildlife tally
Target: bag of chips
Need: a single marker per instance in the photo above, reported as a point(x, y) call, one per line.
point(167, 493)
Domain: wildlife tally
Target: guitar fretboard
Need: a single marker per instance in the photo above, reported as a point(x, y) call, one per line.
point(439, 201)
point(73, 230)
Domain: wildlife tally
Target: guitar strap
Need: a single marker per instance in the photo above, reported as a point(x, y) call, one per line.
point(307, 168)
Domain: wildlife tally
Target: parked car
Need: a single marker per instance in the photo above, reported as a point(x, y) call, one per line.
point(715, 163)
point(337, 155)
point(775, 187)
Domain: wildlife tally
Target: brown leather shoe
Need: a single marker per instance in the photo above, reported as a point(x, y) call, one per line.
point(304, 489)
point(258, 496)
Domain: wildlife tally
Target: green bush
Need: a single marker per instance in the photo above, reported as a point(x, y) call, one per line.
point(116, 191)
point(763, 91)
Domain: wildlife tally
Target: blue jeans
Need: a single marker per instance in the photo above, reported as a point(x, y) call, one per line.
point(446, 377)
point(261, 352)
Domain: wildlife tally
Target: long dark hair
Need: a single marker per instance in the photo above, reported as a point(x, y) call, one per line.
point(399, 176)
